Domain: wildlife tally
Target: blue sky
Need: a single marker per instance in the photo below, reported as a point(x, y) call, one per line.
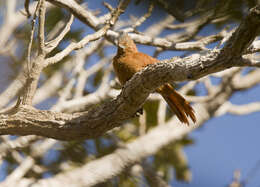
point(226, 143)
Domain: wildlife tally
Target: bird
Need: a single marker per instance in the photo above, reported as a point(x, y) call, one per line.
point(129, 61)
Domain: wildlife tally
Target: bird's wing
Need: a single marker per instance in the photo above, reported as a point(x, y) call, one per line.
point(140, 60)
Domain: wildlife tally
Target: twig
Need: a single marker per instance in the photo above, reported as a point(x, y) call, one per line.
point(238, 109)
point(92, 37)
point(29, 65)
point(10, 145)
point(29, 161)
point(252, 173)
point(108, 6)
point(141, 19)
point(55, 42)
point(41, 37)
point(26, 95)
point(26, 7)
point(84, 74)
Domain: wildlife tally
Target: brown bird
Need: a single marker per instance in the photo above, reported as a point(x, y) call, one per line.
point(128, 61)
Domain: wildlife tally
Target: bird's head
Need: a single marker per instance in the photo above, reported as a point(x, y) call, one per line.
point(125, 43)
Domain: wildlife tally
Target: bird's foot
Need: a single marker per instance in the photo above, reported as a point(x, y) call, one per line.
point(138, 113)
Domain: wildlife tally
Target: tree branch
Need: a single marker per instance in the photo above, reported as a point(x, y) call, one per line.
point(78, 11)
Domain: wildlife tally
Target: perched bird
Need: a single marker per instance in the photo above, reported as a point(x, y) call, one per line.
point(128, 61)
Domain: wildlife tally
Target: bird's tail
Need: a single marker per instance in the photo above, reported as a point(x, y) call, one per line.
point(177, 103)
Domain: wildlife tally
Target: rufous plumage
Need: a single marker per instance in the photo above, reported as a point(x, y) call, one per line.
point(128, 61)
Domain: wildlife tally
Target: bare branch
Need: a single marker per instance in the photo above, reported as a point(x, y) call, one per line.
point(55, 42)
point(26, 7)
point(78, 11)
point(74, 46)
point(153, 178)
point(29, 64)
point(28, 162)
point(18, 143)
point(249, 27)
point(255, 47)
point(92, 37)
point(238, 109)
point(141, 20)
point(41, 37)
point(251, 62)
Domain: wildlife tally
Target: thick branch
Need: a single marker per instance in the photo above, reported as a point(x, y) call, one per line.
point(248, 29)
point(98, 120)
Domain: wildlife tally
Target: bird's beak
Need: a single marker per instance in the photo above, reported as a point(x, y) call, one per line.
point(121, 46)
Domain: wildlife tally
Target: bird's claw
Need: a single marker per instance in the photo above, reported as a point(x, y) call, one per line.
point(138, 113)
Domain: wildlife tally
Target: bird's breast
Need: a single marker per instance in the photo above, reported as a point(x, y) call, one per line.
point(123, 68)
point(127, 64)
